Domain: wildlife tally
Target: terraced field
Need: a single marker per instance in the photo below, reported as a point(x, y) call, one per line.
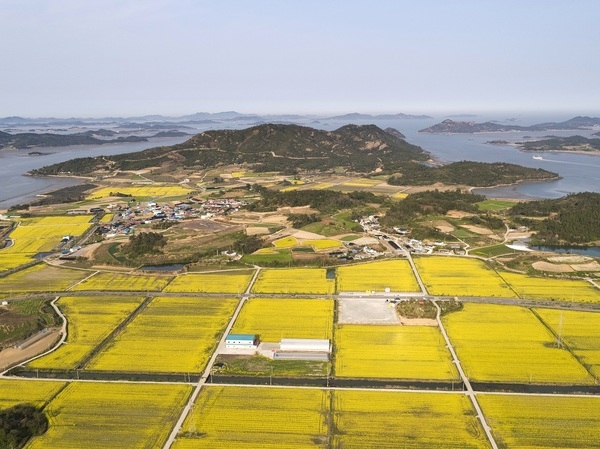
point(274, 319)
point(41, 278)
point(392, 352)
point(509, 344)
point(169, 335)
point(384, 419)
point(286, 242)
point(376, 276)
point(90, 320)
point(108, 281)
point(141, 193)
point(103, 415)
point(294, 281)
point(579, 331)
point(18, 391)
point(322, 244)
point(39, 234)
point(460, 276)
point(542, 422)
point(228, 282)
point(268, 418)
point(528, 287)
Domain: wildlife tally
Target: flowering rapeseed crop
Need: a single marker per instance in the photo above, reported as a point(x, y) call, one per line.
point(242, 417)
point(90, 320)
point(392, 419)
point(169, 335)
point(274, 319)
point(111, 415)
point(542, 421)
point(509, 344)
point(376, 276)
point(396, 352)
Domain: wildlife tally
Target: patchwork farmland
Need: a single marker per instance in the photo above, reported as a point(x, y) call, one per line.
point(164, 326)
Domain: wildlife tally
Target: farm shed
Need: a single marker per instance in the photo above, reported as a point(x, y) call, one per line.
point(304, 345)
point(241, 341)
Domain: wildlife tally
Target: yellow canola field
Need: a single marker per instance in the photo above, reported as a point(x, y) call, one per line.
point(509, 344)
point(579, 331)
point(542, 422)
point(108, 281)
point(107, 218)
point(392, 352)
point(460, 276)
point(399, 196)
point(147, 191)
point(362, 182)
point(274, 319)
point(232, 282)
point(376, 276)
point(294, 281)
point(392, 419)
point(169, 335)
point(90, 320)
point(40, 234)
point(548, 289)
point(322, 244)
point(247, 417)
point(286, 242)
point(112, 415)
point(35, 392)
point(41, 278)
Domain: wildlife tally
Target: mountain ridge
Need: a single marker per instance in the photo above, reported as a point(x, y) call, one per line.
point(450, 126)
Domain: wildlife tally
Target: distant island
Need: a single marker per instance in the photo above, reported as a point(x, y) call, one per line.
point(449, 126)
point(92, 137)
point(563, 144)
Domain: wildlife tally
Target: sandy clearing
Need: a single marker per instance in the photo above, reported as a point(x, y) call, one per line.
point(12, 356)
point(477, 229)
point(592, 266)
point(418, 321)
point(552, 267)
point(569, 259)
point(257, 230)
point(443, 226)
point(457, 214)
point(365, 241)
point(366, 311)
point(305, 235)
point(518, 235)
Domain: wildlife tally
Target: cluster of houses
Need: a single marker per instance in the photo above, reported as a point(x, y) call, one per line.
point(220, 206)
point(353, 251)
point(371, 225)
point(129, 216)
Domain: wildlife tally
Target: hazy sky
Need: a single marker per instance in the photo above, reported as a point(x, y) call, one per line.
point(135, 57)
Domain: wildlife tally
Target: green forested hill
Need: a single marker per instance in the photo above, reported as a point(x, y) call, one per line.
point(571, 219)
point(267, 148)
point(478, 174)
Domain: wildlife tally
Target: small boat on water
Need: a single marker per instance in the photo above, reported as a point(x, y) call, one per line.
point(537, 158)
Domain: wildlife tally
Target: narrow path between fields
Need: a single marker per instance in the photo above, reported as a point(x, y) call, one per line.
point(190, 404)
point(416, 273)
point(465, 379)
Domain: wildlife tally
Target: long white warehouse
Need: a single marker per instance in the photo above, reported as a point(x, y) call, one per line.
point(304, 344)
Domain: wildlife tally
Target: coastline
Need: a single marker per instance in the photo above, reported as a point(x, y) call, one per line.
point(517, 196)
